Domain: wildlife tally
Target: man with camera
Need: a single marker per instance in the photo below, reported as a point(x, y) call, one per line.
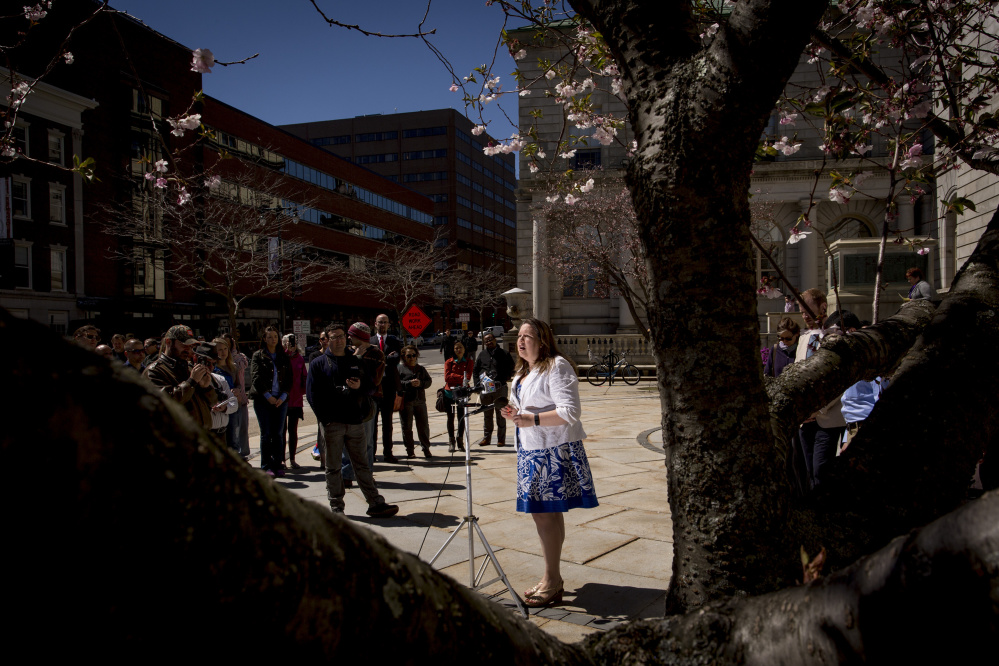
point(338, 390)
point(189, 384)
point(497, 365)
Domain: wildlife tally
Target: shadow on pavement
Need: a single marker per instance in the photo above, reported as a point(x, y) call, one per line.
point(612, 600)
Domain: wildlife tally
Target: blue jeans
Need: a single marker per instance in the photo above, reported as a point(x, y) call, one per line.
point(234, 434)
point(369, 436)
point(271, 420)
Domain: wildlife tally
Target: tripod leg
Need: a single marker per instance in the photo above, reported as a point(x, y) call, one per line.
point(449, 540)
point(499, 569)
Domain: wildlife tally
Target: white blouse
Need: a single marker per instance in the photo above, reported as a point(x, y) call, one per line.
point(557, 389)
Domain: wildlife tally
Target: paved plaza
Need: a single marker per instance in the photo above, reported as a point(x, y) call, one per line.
point(617, 558)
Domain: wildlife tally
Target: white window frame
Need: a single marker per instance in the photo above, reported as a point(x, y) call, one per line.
point(60, 252)
point(61, 140)
point(60, 220)
point(28, 247)
point(22, 125)
point(27, 204)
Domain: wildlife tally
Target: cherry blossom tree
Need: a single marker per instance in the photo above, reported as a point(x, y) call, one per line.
point(594, 238)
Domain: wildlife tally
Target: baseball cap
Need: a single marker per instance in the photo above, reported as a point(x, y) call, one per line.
point(181, 334)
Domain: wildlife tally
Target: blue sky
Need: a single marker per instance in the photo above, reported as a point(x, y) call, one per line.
point(308, 70)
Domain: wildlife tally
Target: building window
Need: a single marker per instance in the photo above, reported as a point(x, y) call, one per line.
point(58, 269)
point(56, 146)
point(377, 136)
point(440, 220)
point(22, 265)
point(19, 135)
point(59, 321)
point(438, 198)
point(376, 159)
point(425, 154)
point(148, 277)
point(464, 223)
point(331, 140)
point(57, 204)
point(464, 180)
point(424, 131)
point(20, 197)
point(587, 159)
point(142, 104)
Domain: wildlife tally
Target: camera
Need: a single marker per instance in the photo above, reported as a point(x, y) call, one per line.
point(463, 393)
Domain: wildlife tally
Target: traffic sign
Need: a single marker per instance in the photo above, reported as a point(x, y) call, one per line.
point(415, 320)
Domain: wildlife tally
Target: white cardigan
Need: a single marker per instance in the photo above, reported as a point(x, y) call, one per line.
point(556, 389)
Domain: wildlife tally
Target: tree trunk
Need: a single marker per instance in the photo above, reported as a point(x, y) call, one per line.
point(727, 498)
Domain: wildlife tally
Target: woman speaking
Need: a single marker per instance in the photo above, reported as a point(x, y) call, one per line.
point(553, 474)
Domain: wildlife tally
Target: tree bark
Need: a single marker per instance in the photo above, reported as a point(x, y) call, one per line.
point(727, 499)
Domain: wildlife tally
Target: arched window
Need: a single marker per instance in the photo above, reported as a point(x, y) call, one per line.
point(849, 227)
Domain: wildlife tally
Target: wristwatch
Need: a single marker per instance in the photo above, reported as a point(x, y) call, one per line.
point(537, 419)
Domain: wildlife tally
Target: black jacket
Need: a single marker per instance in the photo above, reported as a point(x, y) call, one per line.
point(498, 365)
point(326, 389)
point(262, 373)
point(410, 393)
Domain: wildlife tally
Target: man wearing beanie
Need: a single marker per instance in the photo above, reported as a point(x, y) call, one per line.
point(339, 391)
point(373, 363)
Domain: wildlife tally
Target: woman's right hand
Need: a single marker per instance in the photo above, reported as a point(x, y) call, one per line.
point(508, 413)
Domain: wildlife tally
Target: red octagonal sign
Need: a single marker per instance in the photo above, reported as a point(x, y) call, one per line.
point(415, 320)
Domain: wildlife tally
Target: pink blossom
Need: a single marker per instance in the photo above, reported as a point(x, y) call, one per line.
point(710, 30)
point(916, 150)
point(161, 166)
point(212, 182)
point(586, 187)
point(202, 61)
point(149, 175)
point(190, 122)
point(861, 148)
point(787, 148)
point(605, 135)
point(840, 195)
point(525, 92)
point(160, 183)
point(454, 87)
point(533, 167)
point(183, 197)
point(568, 154)
point(787, 118)
point(796, 235)
point(859, 179)
point(68, 57)
point(922, 109)
point(923, 250)
point(520, 55)
point(478, 129)
point(8, 151)
point(550, 74)
point(36, 13)
point(571, 199)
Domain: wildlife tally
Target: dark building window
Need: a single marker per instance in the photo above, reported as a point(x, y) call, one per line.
point(377, 136)
point(424, 131)
point(377, 159)
point(587, 159)
point(425, 154)
point(331, 140)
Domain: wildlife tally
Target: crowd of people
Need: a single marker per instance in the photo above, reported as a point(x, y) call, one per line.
point(826, 433)
point(359, 375)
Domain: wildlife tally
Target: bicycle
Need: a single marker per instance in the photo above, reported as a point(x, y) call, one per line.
point(609, 367)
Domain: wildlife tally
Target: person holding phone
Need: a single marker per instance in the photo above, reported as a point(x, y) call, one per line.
point(338, 391)
point(270, 382)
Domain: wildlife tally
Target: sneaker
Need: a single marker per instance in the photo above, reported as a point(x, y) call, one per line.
point(279, 473)
point(270, 473)
point(389, 458)
point(383, 510)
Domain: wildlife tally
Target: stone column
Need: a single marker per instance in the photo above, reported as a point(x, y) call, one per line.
point(808, 254)
point(540, 284)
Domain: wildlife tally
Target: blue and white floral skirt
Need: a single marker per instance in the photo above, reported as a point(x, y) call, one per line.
point(554, 480)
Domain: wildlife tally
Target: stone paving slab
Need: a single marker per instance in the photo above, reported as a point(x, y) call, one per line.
point(636, 522)
point(649, 499)
point(653, 558)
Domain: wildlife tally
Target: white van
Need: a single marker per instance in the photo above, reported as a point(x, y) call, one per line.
point(497, 332)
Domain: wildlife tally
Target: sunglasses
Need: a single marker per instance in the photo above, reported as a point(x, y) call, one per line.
point(135, 351)
point(95, 338)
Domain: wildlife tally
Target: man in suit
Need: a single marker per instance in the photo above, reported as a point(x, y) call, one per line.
point(391, 346)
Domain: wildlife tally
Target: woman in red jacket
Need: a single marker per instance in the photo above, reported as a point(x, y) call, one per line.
point(457, 372)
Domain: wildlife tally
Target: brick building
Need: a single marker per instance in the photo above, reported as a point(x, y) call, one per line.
point(435, 153)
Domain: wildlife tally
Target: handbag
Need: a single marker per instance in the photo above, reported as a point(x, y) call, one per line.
point(397, 405)
point(442, 401)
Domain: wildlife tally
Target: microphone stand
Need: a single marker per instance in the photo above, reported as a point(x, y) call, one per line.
point(475, 578)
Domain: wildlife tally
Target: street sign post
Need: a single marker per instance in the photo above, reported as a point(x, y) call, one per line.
point(415, 320)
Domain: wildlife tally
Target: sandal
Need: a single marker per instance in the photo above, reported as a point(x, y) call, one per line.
point(295, 465)
point(530, 592)
point(542, 598)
